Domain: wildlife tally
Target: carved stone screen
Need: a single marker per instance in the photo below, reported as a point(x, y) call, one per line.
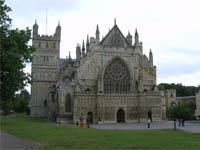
point(116, 78)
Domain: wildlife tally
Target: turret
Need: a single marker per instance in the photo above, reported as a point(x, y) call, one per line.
point(129, 38)
point(136, 37)
point(97, 33)
point(138, 45)
point(58, 32)
point(35, 30)
point(78, 52)
point(151, 58)
point(70, 59)
point(87, 44)
point(83, 49)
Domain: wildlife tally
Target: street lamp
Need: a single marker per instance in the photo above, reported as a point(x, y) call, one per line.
point(174, 114)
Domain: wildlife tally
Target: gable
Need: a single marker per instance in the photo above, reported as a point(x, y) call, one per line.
point(115, 38)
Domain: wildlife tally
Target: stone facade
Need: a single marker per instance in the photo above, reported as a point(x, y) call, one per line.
point(45, 69)
point(170, 97)
point(197, 113)
point(111, 80)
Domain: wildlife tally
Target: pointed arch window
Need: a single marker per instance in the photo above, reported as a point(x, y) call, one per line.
point(116, 78)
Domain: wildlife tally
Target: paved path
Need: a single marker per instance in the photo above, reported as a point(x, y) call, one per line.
point(10, 142)
point(189, 127)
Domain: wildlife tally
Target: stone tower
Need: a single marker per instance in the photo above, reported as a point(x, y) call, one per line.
point(45, 68)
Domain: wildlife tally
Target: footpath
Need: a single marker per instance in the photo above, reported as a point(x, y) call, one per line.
point(11, 142)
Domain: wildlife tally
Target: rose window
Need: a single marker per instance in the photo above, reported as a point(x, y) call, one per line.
point(116, 78)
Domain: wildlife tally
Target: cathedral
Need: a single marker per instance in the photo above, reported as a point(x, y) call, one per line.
point(111, 80)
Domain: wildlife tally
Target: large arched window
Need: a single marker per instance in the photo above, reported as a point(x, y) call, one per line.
point(116, 78)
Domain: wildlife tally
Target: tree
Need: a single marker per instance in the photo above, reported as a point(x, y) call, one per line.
point(15, 53)
point(181, 90)
point(184, 111)
point(21, 101)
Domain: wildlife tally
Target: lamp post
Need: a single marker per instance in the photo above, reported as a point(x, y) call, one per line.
point(174, 111)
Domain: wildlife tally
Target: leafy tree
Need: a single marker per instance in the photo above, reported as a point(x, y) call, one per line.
point(15, 53)
point(184, 111)
point(21, 101)
point(181, 90)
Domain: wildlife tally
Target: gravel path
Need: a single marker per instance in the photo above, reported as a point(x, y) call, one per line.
point(11, 142)
point(189, 127)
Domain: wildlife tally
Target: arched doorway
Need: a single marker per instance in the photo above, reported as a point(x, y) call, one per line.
point(150, 115)
point(120, 116)
point(68, 103)
point(90, 115)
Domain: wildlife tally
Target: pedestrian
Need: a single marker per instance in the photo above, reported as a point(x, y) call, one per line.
point(88, 121)
point(183, 121)
point(179, 122)
point(81, 120)
point(99, 121)
point(76, 123)
point(149, 122)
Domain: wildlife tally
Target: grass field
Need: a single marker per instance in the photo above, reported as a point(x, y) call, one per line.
point(59, 137)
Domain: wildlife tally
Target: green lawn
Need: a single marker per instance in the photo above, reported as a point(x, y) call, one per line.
point(58, 137)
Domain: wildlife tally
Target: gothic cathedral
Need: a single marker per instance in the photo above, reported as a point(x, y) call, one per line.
point(111, 80)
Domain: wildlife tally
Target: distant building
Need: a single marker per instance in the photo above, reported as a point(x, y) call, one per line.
point(110, 80)
point(171, 98)
point(197, 113)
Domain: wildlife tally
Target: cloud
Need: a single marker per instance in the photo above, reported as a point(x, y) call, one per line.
point(170, 28)
point(191, 79)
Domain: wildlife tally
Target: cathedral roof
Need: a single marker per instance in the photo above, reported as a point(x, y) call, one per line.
point(115, 38)
point(62, 60)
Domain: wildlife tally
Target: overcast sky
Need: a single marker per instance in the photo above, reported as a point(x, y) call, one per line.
point(170, 28)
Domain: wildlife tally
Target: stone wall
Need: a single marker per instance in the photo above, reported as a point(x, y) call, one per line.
point(197, 113)
point(170, 97)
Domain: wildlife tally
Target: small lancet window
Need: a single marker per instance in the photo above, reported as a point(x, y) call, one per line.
point(54, 45)
point(39, 45)
point(47, 45)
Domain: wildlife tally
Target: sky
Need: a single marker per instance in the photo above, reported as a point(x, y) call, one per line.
point(171, 29)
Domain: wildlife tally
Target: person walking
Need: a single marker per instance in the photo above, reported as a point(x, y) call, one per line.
point(81, 120)
point(183, 121)
point(149, 122)
point(88, 121)
point(179, 122)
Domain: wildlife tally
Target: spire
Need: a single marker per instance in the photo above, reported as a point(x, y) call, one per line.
point(129, 38)
point(83, 48)
point(70, 59)
point(151, 58)
point(136, 36)
point(35, 29)
point(97, 32)
point(78, 52)
point(58, 27)
point(87, 40)
point(58, 31)
point(87, 44)
point(115, 22)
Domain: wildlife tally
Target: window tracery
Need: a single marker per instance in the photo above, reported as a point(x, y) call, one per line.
point(116, 78)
